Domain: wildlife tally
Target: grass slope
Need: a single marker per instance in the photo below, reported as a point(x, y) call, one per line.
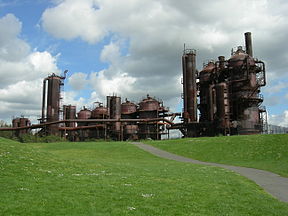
point(119, 179)
point(267, 152)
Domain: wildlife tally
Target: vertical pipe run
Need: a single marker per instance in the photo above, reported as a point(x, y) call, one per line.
point(191, 89)
point(184, 84)
point(221, 62)
point(43, 100)
point(248, 44)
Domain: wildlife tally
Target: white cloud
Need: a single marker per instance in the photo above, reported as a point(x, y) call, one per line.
point(156, 31)
point(281, 119)
point(79, 18)
point(121, 83)
point(78, 81)
point(21, 71)
point(11, 47)
point(110, 53)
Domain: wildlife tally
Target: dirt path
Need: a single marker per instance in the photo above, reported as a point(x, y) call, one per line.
point(271, 182)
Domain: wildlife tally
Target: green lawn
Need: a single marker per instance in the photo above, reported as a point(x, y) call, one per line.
point(267, 152)
point(117, 178)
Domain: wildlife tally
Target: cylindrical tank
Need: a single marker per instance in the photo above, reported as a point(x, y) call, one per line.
point(53, 97)
point(221, 60)
point(205, 74)
point(250, 124)
point(16, 122)
point(21, 122)
point(240, 58)
point(149, 104)
point(128, 110)
point(223, 106)
point(148, 109)
point(189, 85)
point(248, 43)
point(24, 122)
point(69, 112)
point(84, 114)
point(115, 112)
point(131, 132)
point(131, 129)
point(99, 112)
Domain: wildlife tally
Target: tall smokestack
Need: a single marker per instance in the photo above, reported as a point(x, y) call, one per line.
point(248, 44)
point(189, 85)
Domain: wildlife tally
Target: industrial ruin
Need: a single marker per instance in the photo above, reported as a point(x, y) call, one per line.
point(117, 120)
point(226, 93)
point(223, 98)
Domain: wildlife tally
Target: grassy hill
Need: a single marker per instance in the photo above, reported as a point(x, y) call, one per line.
point(117, 178)
point(267, 152)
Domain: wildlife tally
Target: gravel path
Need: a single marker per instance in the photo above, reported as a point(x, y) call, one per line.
point(271, 182)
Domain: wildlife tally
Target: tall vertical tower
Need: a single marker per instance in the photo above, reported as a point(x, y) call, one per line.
point(189, 85)
point(53, 101)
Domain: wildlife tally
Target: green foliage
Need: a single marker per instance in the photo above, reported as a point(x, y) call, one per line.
point(267, 152)
point(117, 178)
point(30, 138)
point(51, 139)
point(5, 134)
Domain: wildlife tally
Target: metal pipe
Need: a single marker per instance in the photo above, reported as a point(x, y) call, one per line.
point(184, 83)
point(43, 100)
point(221, 62)
point(264, 71)
point(87, 120)
point(191, 89)
point(248, 44)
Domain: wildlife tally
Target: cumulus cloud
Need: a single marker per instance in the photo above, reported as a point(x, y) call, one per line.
point(78, 81)
point(79, 18)
point(156, 31)
point(21, 71)
point(281, 119)
point(11, 47)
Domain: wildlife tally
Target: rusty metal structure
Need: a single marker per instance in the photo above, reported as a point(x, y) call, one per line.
point(21, 122)
point(223, 98)
point(226, 93)
point(53, 102)
point(115, 121)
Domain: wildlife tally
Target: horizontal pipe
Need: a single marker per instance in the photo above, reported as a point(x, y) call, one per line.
point(82, 127)
point(87, 120)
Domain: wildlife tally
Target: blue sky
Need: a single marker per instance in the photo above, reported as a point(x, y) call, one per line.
point(132, 47)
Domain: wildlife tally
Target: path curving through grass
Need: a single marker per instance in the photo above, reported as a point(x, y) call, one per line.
point(270, 182)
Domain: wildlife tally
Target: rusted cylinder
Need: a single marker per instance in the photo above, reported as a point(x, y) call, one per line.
point(69, 112)
point(43, 100)
point(223, 106)
point(248, 44)
point(191, 90)
point(53, 98)
point(128, 110)
point(99, 113)
point(16, 123)
point(221, 62)
point(250, 124)
point(131, 129)
point(115, 111)
point(149, 104)
point(84, 114)
point(184, 84)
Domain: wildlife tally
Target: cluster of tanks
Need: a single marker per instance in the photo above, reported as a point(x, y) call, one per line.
point(226, 93)
point(116, 120)
point(223, 98)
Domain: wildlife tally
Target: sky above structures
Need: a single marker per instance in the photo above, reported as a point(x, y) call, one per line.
point(132, 48)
